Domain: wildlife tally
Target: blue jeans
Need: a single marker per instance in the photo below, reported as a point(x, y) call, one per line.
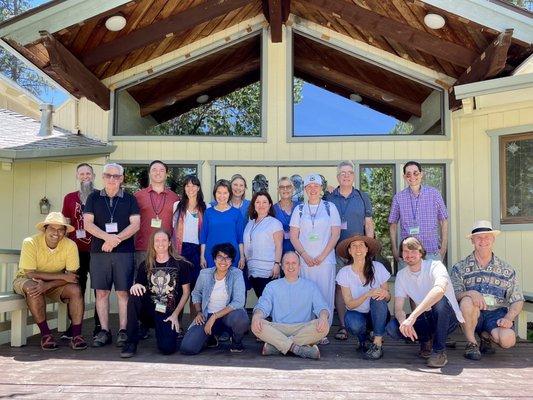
point(435, 324)
point(488, 320)
point(356, 322)
point(236, 322)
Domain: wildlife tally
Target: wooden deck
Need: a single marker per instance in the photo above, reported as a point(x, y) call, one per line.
point(29, 373)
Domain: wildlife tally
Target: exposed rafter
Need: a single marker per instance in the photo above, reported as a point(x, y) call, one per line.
point(144, 36)
point(276, 12)
point(64, 66)
point(489, 64)
point(397, 31)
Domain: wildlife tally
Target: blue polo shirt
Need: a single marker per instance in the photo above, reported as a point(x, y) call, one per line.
point(119, 208)
point(352, 209)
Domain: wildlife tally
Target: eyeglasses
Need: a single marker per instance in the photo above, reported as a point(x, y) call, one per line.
point(416, 174)
point(285, 187)
point(220, 258)
point(346, 173)
point(111, 176)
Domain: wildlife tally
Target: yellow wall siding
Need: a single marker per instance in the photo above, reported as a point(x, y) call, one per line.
point(11, 98)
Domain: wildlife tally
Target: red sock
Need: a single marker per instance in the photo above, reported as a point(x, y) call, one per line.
point(76, 330)
point(43, 326)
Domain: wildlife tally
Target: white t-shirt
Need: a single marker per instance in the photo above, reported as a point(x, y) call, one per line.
point(259, 247)
point(315, 228)
point(190, 228)
point(416, 285)
point(219, 297)
point(347, 278)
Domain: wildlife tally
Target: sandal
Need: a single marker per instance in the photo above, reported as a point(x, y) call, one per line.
point(48, 343)
point(78, 343)
point(342, 334)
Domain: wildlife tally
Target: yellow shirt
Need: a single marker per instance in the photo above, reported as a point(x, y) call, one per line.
point(37, 256)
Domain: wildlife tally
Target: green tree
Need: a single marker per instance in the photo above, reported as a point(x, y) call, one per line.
point(236, 114)
point(12, 67)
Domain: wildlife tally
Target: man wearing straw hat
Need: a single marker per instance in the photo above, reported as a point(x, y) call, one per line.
point(489, 294)
point(47, 269)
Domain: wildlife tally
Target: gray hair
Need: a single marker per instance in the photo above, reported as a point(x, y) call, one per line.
point(114, 165)
point(344, 164)
point(284, 178)
point(288, 254)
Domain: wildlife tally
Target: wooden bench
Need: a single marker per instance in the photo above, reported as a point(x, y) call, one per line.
point(521, 326)
point(16, 305)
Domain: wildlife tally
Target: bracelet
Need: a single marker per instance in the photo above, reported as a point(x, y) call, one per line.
point(277, 262)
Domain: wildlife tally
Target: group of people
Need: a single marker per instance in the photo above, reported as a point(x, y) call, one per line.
point(302, 260)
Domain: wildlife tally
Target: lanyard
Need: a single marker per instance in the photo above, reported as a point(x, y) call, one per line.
point(254, 226)
point(158, 210)
point(313, 216)
point(111, 213)
point(414, 208)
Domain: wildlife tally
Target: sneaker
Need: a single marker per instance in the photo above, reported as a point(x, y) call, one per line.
point(425, 349)
point(437, 360)
point(236, 347)
point(48, 343)
point(128, 350)
point(67, 335)
point(78, 343)
point(485, 346)
point(307, 351)
point(472, 351)
point(269, 350)
point(122, 338)
point(144, 332)
point(224, 337)
point(96, 330)
point(102, 338)
point(374, 352)
point(324, 341)
point(212, 342)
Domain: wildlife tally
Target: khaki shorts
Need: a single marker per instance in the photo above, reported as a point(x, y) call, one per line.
point(53, 294)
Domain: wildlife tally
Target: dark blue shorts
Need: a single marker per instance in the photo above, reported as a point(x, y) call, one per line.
point(108, 269)
point(488, 320)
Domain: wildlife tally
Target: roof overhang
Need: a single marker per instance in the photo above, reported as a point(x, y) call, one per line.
point(7, 155)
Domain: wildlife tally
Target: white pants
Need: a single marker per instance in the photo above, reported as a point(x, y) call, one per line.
point(324, 277)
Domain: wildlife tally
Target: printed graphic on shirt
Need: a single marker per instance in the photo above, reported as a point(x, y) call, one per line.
point(163, 282)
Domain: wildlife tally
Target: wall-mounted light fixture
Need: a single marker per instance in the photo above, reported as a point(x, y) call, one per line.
point(44, 206)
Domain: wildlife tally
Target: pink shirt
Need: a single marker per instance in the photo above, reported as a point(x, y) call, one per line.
point(153, 205)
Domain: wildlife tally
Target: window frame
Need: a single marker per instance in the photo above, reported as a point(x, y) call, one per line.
point(496, 184)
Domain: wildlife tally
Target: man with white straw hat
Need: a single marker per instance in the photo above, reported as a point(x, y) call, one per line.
point(47, 268)
point(489, 294)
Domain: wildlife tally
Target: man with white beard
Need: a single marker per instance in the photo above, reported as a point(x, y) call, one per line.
point(73, 205)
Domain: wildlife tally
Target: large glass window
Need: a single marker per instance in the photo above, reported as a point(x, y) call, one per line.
point(136, 177)
point(516, 178)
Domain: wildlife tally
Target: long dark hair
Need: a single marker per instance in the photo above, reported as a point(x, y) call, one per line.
point(368, 269)
point(184, 202)
point(251, 208)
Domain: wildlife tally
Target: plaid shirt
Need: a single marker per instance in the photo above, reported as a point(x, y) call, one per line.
point(497, 279)
point(423, 211)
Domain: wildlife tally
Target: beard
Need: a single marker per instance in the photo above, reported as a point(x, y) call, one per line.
point(86, 188)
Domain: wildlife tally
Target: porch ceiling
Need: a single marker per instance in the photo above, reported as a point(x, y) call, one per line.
point(79, 55)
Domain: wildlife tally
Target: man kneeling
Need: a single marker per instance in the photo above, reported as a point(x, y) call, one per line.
point(48, 262)
point(292, 302)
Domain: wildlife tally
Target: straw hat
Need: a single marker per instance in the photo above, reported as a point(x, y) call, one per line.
point(482, 226)
point(373, 245)
point(55, 218)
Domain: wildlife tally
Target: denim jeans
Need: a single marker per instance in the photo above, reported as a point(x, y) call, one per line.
point(356, 322)
point(142, 309)
point(435, 324)
point(236, 322)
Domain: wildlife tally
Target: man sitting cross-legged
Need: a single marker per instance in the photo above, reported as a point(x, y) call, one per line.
point(48, 262)
point(294, 303)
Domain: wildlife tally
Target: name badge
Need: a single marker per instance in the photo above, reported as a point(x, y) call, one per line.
point(415, 230)
point(80, 234)
point(344, 225)
point(156, 223)
point(489, 300)
point(313, 237)
point(111, 227)
point(160, 307)
point(286, 235)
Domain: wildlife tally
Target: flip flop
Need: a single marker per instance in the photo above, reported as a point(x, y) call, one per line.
point(342, 334)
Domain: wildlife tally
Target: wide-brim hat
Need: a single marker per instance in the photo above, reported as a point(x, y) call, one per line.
point(55, 218)
point(482, 226)
point(373, 245)
point(313, 178)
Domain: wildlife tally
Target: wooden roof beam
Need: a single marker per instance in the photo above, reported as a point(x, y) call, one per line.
point(65, 66)
point(490, 63)
point(359, 86)
point(160, 29)
point(392, 29)
point(276, 12)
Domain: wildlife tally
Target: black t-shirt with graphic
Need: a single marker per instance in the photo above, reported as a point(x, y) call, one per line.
point(165, 281)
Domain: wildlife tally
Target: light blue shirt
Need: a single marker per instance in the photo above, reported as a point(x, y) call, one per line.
point(291, 302)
